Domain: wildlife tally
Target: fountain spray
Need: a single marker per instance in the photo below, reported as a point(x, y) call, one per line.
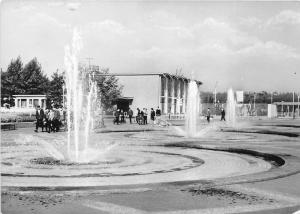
point(231, 108)
point(81, 102)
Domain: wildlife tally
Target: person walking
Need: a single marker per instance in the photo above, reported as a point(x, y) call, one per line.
point(152, 115)
point(158, 114)
point(51, 120)
point(46, 121)
point(130, 114)
point(223, 114)
point(138, 115)
point(122, 114)
point(56, 119)
point(117, 115)
point(208, 115)
point(39, 115)
point(145, 116)
point(142, 118)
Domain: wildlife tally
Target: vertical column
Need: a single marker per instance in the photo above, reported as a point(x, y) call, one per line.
point(27, 103)
point(178, 97)
point(159, 92)
point(199, 102)
point(172, 95)
point(184, 97)
point(166, 96)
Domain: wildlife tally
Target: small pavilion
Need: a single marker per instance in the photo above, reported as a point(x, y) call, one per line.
point(29, 101)
point(286, 109)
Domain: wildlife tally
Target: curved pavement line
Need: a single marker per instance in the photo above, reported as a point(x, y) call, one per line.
point(118, 209)
point(285, 201)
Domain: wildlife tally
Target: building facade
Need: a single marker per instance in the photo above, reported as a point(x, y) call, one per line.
point(29, 101)
point(163, 90)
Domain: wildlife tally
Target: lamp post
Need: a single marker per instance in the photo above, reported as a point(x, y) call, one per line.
point(298, 106)
point(271, 98)
point(293, 104)
point(295, 73)
point(282, 108)
point(63, 96)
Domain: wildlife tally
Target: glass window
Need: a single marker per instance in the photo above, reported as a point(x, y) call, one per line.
point(181, 88)
point(169, 105)
point(176, 84)
point(35, 102)
point(169, 87)
point(162, 86)
point(23, 103)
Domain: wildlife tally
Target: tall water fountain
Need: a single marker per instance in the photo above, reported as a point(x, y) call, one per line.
point(192, 110)
point(231, 108)
point(82, 102)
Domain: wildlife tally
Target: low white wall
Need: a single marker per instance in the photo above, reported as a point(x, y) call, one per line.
point(272, 111)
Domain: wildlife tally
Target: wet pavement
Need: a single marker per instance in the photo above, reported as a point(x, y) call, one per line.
point(276, 190)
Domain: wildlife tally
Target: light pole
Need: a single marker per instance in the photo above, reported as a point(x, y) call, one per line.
point(298, 106)
point(282, 108)
point(63, 96)
point(294, 97)
point(89, 60)
point(293, 104)
point(271, 97)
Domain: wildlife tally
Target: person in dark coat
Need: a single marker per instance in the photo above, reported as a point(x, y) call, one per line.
point(39, 115)
point(158, 112)
point(117, 115)
point(122, 115)
point(141, 118)
point(222, 114)
point(130, 114)
point(56, 121)
point(138, 115)
point(152, 115)
point(208, 115)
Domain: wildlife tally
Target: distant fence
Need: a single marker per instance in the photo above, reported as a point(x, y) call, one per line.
point(242, 110)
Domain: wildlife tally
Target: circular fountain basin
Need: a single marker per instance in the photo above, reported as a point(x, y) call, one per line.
point(125, 165)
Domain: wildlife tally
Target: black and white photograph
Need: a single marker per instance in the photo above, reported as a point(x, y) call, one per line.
point(150, 107)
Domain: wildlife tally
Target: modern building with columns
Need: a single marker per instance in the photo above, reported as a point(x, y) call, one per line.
point(152, 90)
point(29, 101)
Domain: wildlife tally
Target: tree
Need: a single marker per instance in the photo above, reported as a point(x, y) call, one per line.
point(55, 90)
point(11, 79)
point(108, 86)
point(33, 79)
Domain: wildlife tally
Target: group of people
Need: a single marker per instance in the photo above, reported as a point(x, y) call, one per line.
point(208, 115)
point(51, 119)
point(141, 116)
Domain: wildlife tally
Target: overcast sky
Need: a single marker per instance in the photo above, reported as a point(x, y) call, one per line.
point(244, 45)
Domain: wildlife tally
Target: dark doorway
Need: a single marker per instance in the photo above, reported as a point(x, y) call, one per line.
point(123, 103)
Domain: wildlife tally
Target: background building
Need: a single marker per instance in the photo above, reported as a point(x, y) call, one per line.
point(152, 90)
point(29, 101)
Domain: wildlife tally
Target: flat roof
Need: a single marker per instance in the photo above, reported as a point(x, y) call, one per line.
point(150, 74)
point(286, 103)
point(29, 95)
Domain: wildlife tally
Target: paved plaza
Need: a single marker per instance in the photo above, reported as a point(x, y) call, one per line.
point(251, 168)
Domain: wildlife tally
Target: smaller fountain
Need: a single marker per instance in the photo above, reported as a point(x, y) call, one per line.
point(231, 108)
point(192, 111)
